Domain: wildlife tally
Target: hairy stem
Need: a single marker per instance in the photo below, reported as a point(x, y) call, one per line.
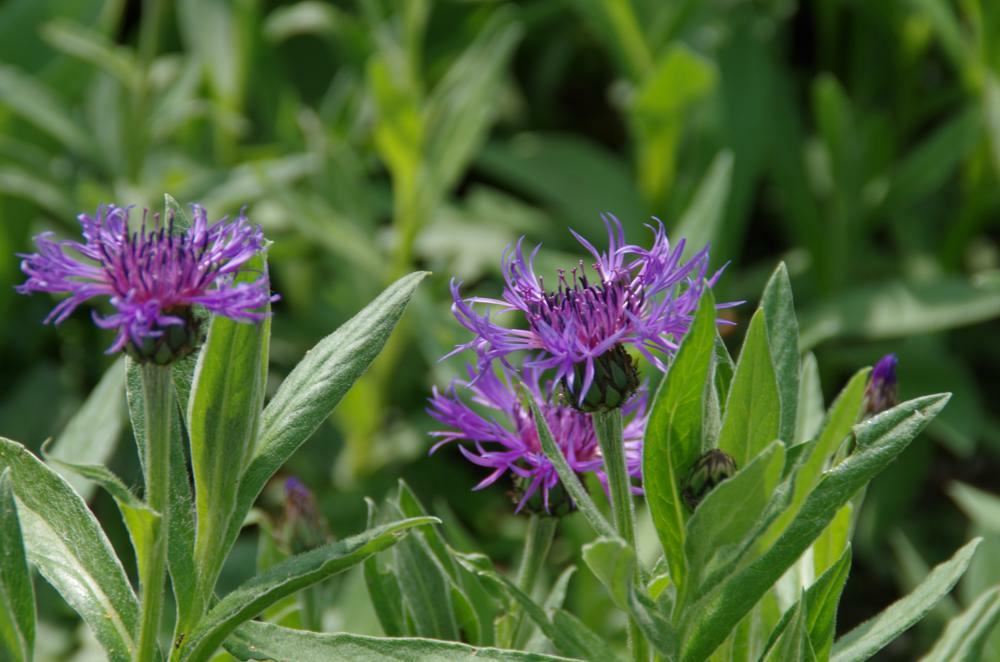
point(158, 400)
point(609, 428)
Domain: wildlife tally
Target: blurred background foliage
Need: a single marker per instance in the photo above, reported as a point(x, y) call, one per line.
point(858, 141)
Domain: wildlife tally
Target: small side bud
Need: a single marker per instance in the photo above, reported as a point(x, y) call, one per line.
point(711, 469)
point(616, 379)
point(303, 526)
point(882, 392)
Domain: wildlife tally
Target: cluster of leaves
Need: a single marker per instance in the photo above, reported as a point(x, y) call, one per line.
point(374, 137)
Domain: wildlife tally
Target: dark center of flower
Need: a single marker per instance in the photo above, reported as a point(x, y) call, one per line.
point(592, 312)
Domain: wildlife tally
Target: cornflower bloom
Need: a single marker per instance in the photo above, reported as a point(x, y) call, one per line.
point(502, 435)
point(640, 298)
point(152, 277)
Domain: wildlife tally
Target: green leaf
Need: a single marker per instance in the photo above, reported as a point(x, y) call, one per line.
point(284, 579)
point(793, 645)
point(721, 524)
point(966, 635)
point(180, 534)
point(871, 636)
point(17, 594)
point(819, 604)
point(753, 408)
point(139, 519)
point(701, 222)
point(566, 632)
point(613, 563)
point(981, 507)
point(425, 588)
point(844, 413)
point(679, 79)
point(809, 415)
point(897, 309)
point(673, 439)
point(461, 108)
point(312, 390)
point(265, 641)
point(783, 340)
point(535, 164)
point(224, 412)
point(37, 104)
point(567, 476)
point(91, 435)
point(93, 48)
point(67, 546)
point(880, 440)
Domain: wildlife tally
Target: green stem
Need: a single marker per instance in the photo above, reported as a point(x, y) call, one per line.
point(608, 426)
point(541, 531)
point(158, 400)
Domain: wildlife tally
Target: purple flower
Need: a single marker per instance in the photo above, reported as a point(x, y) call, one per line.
point(501, 433)
point(638, 297)
point(882, 390)
point(152, 276)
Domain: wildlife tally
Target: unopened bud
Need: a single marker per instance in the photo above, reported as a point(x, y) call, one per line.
point(711, 469)
point(882, 392)
point(303, 526)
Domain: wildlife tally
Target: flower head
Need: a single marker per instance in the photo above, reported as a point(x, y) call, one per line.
point(638, 297)
point(882, 391)
point(501, 434)
point(152, 277)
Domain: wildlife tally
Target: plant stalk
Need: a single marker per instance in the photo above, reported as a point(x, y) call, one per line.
point(609, 427)
point(537, 542)
point(158, 401)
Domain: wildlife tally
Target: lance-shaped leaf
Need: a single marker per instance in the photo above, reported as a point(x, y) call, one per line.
point(265, 641)
point(284, 579)
point(729, 513)
point(613, 562)
point(793, 645)
point(967, 633)
point(753, 408)
point(17, 595)
point(880, 440)
point(843, 415)
point(139, 519)
point(783, 339)
point(871, 636)
point(67, 546)
point(312, 390)
point(92, 433)
point(570, 636)
point(820, 605)
point(223, 416)
point(673, 439)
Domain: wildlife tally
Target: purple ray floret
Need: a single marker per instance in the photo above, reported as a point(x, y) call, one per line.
point(638, 297)
point(500, 432)
point(151, 275)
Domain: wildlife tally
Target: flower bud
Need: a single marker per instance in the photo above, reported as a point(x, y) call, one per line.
point(303, 526)
point(882, 392)
point(711, 469)
point(616, 379)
